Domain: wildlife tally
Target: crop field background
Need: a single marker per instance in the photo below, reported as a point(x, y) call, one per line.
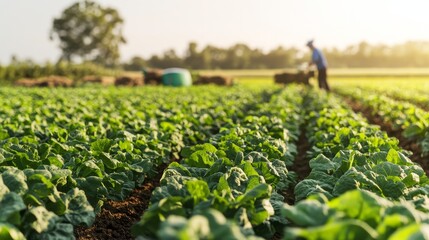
point(189, 120)
point(397, 77)
point(255, 160)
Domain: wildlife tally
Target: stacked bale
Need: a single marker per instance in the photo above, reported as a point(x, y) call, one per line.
point(216, 80)
point(56, 81)
point(50, 81)
point(25, 82)
point(288, 78)
point(103, 80)
point(153, 77)
point(129, 81)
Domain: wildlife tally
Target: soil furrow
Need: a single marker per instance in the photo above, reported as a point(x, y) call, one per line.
point(117, 217)
point(301, 168)
point(300, 165)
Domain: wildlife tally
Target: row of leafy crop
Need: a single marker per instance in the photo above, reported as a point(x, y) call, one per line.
point(415, 92)
point(413, 96)
point(230, 187)
point(358, 175)
point(411, 120)
point(64, 152)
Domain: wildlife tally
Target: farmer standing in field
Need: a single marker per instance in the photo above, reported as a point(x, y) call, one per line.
point(319, 60)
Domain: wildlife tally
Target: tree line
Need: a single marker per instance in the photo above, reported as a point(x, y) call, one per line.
point(27, 68)
point(241, 56)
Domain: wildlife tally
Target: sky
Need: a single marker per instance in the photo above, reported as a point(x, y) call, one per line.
point(153, 26)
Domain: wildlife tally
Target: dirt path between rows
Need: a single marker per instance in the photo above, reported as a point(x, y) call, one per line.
point(117, 217)
point(387, 127)
point(301, 168)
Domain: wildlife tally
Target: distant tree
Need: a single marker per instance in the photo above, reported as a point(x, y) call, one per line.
point(167, 60)
point(214, 57)
point(90, 32)
point(280, 58)
point(193, 58)
point(135, 64)
point(238, 56)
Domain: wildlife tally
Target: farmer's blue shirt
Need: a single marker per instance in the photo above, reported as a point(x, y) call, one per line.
point(319, 59)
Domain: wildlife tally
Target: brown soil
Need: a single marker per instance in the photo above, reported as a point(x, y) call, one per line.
point(404, 143)
point(302, 169)
point(117, 217)
point(301, 166)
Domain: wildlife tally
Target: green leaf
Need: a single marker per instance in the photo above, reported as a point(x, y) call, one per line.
point(354, 179)
point(261, 212)
point(15, 180)
point(323, 164)
point(126, 145)
point(101, 145)
point(412, 232)
point(346, 229)
point(108, 161)
point(44, 149)
point(392, 188)
point(362, 205)
point(89, 168)
point(249, 170)
point(414, 130)
point(40, 219)
point(209, 224)
point(260, 191)
point(56, 231)
point(156, 214)
point(399, 158)
point(198, 189)
point(236, 179)
point(411, 179)
point(200, 158)
point(119, 184)
point(389, 169)
point(78, 210)
point(308, 187)
point(267, 170)
point(10, 206)
point(4, 134)
point(307, 213)
point(9, 232)
point(94, 189)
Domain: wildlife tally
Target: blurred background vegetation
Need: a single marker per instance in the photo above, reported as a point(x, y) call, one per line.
point(89, 36)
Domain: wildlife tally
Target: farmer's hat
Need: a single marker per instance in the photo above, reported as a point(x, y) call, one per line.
point(310, 43)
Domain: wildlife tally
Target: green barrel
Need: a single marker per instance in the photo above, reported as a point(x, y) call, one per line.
point(176, 77)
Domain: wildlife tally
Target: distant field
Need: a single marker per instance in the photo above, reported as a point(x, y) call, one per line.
point(339, 75)
point(336, 76)
point(408, 82)
point(334, 72)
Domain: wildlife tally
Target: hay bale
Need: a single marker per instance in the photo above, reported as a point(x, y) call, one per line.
point(216, 80)
point(25, 82)
point(129, 81)
point(55, 81)
point(49, 81)
point(103, 80)
point(153, 77)
point(288, 78)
